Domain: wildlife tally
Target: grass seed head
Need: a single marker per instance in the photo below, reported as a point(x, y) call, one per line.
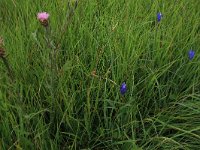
point(2, 52)
point(1, 42)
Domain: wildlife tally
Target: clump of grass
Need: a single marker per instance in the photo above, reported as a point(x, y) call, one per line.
point(76, 68)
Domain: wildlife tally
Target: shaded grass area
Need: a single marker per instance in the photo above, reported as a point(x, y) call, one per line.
point(105, 43)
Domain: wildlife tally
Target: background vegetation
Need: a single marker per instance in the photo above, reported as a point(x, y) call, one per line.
point(75, 103)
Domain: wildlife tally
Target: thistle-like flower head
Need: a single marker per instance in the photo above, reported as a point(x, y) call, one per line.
point(43, 18)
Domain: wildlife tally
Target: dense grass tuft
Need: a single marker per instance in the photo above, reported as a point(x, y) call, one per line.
point(64, 88)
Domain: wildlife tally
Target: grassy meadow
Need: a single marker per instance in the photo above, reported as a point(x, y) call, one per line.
point(60, 84)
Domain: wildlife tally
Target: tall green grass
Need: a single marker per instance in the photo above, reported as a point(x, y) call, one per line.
point(117, 41)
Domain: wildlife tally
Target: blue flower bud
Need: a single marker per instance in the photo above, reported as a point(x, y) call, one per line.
point(159, 16)
point(191, 54)
point(123, 88)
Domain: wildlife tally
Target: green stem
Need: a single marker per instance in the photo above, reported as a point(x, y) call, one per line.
point(53, 71)
point(65, 25)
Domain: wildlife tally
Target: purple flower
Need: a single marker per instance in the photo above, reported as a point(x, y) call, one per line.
point(123, 88)
point(43, 18)
point(191, 54)
point(159, 16)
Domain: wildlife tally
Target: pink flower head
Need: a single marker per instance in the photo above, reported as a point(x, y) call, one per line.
point(42, 16)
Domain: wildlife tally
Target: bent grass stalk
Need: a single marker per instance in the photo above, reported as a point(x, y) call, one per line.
point(66, 23)
point(4, 59)
point(10, 72)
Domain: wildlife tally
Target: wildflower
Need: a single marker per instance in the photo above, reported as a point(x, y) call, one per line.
point(191, 54)
point(159, 16)
point(123, 88)
point(43, 18)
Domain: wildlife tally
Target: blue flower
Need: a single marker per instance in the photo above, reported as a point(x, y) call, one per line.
point(159, 16)
point(191, 54)
point(123, 88)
